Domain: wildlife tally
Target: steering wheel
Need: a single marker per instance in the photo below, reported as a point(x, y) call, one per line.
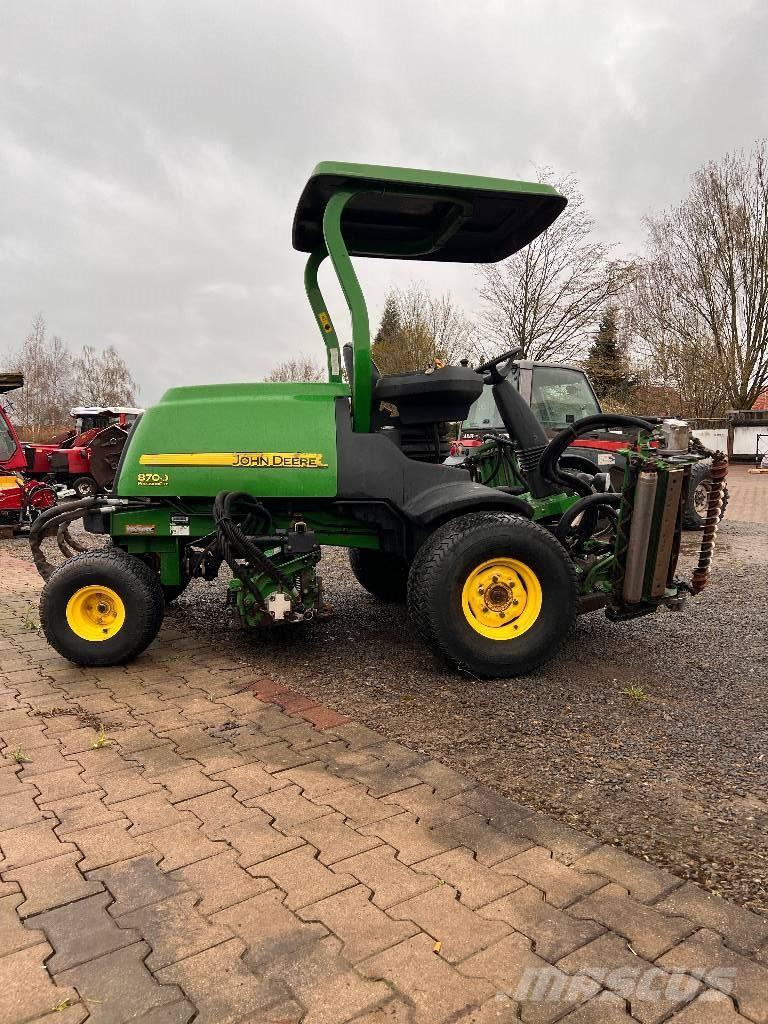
point(496, 369)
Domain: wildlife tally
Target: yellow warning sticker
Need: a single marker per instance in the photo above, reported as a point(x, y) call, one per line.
point(246, 460)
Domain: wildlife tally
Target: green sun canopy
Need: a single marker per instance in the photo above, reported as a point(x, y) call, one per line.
point(401, 213)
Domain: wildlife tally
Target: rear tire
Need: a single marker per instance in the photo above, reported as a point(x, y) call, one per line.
point(102, 592)
point(529, 581)
point(382, 575)
point(695, 511)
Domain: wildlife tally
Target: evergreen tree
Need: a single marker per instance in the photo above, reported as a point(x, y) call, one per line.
point(608, 364)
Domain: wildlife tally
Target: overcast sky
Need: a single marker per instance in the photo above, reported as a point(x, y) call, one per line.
point(151, 153)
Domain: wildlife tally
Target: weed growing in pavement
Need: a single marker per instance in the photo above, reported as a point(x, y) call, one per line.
point(19, 756)
point(30, 621)
point(60, 1007)
point(635, 693)
point(102, 740)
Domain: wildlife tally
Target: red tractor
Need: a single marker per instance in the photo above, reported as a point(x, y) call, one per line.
point(86, 457)
point(21, 499)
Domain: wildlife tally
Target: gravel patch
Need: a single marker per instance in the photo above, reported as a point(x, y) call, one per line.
point(678, 776)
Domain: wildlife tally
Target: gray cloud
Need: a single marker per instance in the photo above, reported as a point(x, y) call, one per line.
point(151, 154)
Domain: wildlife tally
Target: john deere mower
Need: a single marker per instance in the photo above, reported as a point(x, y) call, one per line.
point(495, 558)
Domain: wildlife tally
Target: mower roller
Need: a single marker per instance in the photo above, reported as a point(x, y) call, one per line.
point(495, 559)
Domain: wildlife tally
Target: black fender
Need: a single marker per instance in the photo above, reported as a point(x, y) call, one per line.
point(448, 500)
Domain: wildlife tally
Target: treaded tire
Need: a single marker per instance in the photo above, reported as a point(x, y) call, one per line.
point(382, 575)
point(135, 583)
point(692, 518)
point(85, 487)
point(443, 564)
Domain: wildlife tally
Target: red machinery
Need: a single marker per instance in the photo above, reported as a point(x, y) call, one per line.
point(21, 499)
point(86, 457)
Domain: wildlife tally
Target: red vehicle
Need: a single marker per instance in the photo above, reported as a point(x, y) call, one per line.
point(86, 457)
point(21, 499)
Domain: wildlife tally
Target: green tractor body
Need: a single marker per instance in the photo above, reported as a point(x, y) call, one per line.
point(495, 556)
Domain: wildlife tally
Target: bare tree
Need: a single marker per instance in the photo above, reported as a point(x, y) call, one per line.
point(43, 404)
point(546, 298)
point(103, 378)
point(703, 301)
point(299, 368)
point(419, 329)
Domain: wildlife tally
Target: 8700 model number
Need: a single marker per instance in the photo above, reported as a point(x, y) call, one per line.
point(152, 479)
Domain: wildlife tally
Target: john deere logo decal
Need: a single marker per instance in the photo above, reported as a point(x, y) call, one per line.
point(247, 460)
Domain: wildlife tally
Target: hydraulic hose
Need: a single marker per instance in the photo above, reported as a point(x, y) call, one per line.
point(592, 501)
point(549, 457)
point(235, 544)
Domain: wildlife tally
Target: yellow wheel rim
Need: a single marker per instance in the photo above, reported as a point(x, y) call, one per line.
point(501, 598)
point(95, 613)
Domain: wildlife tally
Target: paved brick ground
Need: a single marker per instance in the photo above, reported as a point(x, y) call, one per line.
point(237, 852)
point(748, 501)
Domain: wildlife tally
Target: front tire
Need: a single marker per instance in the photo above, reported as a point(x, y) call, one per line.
point(102, 608)
point(494, 593)
point(382, 575)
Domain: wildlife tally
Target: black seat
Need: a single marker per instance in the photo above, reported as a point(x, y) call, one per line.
point(444, 395)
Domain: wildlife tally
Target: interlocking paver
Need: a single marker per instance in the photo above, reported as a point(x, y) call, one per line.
point(225, 991)
point(649, 931)
point(554, 932)
point(256, 840)
point(30, 843)
point(706, 957)
point(543, 992)
point(251, 780)
point(333, 839)
point(356, 804)
point(217, 810)
point(412, 841)
point(13, 934)
point(430, 809)
point(459, 930)
point(82, 811)
point(444, 780)
point(605, 1008)
point(125, 784)
point(653, 994)
point(288, 807)
point(361, 926)
point(560, 884)
point(180, 845)
point(174, 929)
point(740, 928)
point(220, 882)
point(118, 987)
point(328, 987)
point(137, 882)
point(379, 778)
point(82, 931)
point(302, 877)
point(389, 880)
point(437, 990)
point(18, 808)
point(185, 783)
point(51, 883)
point(107, 843)
point(26, 989)
point(488, 844)
point(265, 924)
point(645, 882)
point(475, 883)
point(709, 1008)
point(152, 811)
